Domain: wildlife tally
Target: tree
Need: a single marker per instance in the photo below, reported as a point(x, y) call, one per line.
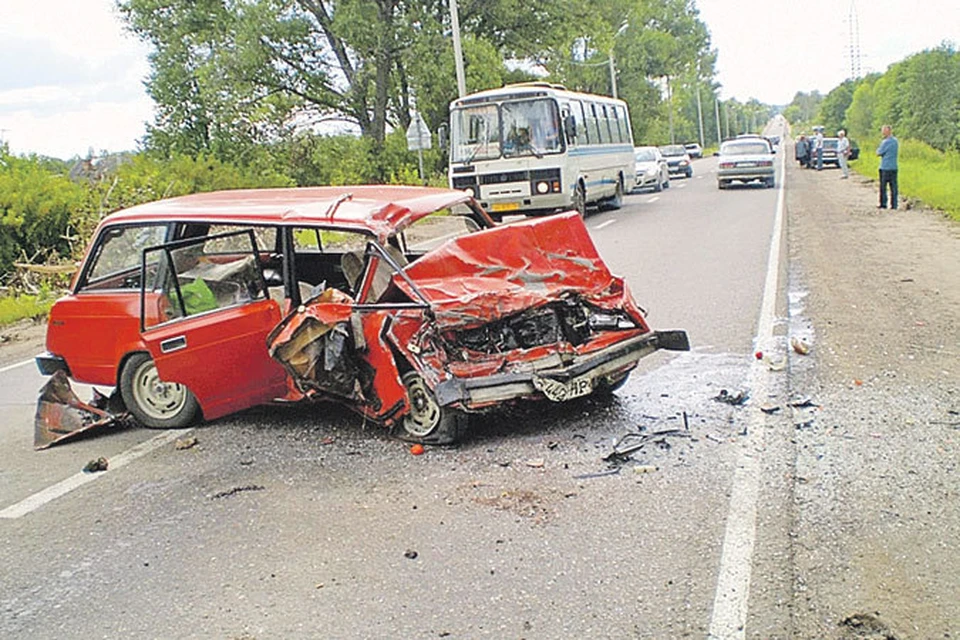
point(833, 107)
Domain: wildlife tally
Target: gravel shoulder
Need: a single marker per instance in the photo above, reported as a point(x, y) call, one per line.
point(877, 293)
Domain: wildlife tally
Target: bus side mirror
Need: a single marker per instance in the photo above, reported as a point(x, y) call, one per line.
point(570, 127)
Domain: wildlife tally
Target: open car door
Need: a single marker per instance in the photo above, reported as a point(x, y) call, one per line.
point(205, 315)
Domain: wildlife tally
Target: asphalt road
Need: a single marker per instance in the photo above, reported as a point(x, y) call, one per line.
point(288, 522)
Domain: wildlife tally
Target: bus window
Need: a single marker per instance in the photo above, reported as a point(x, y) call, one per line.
point(616, 126)
point(582, 136)
point(530, 127)
point(603, 121)
point(475, 133)
point(627, 137)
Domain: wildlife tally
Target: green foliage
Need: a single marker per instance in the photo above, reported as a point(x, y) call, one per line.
point(919, 97)
point(833, 108)
point(36, 205)
point(19, 307)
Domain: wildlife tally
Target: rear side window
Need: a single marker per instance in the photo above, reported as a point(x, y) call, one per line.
point(115, 260)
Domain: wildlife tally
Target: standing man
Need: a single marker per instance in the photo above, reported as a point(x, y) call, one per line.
point(843, 151)
point(802, 151)
point(818, 145)
point(888, 166)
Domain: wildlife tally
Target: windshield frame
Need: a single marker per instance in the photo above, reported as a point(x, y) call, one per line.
point(510, 139)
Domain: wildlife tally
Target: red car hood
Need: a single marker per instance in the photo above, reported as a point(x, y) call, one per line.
point(487, 275)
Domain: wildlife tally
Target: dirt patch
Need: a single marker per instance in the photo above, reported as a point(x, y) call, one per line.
point(21, 341)
point(877, 293)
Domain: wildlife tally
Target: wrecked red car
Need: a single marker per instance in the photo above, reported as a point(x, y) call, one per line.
point(406, 303)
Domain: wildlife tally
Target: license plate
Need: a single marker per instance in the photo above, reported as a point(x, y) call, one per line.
point(746, 164)
point(505, 206)
point(560, 391)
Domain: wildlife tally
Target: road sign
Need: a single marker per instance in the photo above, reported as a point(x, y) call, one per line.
point(418, 135)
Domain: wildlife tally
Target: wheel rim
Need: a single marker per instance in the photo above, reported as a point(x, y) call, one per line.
point(424, 413)
point(580, 200)
point(157, 399)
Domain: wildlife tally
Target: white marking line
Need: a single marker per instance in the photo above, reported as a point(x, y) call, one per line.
point(653, 199)
point(37, 500)
point(603, 224)
point(681, 185)
point(10, 367)
point(729, 618)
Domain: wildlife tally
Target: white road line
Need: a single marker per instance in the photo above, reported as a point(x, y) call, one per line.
point(729, 617)
point(681, 185)
point(37, 500)
point(14, 366)
point(603, 224)
point(653, 199)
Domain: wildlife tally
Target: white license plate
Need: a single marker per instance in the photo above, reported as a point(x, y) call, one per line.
point(560, 391)
point(746, 164)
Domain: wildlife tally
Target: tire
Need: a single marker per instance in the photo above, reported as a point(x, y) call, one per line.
point(428, 422)
point(690, 173)
point(154, 403)
point(611, 384)
point(721, 184)
point(771, 183)
point(580, 200)
point(666, 185)
point(616, 201)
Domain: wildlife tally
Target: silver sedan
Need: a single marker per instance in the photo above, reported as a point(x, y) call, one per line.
point(652, 169)
point(745, 160)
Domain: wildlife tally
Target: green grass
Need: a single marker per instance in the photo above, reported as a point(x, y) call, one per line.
point(924, 174)
point(21, 307)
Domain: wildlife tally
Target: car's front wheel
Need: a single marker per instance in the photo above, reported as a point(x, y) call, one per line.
point(427, 422)
point(154, 403)
point(580, 200)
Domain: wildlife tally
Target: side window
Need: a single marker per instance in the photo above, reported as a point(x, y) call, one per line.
point(578, 115)
point(428, 233)
point(198, 275)
point(115, 262)
point(603, 121)
point(626, 134)
point(616, 129)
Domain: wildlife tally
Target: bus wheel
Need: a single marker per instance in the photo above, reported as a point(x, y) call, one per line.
point(580, 200)
point(615, 201)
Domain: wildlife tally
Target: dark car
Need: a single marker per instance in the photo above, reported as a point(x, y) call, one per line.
point(678, 160)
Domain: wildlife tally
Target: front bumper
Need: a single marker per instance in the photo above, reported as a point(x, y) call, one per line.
point(546, 377)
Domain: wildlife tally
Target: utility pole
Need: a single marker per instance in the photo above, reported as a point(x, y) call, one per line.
point(716, 108)
point(699, 108)
point(670, 110)
point(457, 51)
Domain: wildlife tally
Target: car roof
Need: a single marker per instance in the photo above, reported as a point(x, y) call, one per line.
point(379, 209)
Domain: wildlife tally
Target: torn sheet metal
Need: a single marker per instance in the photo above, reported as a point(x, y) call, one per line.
point(62, 415)
point(484, 276)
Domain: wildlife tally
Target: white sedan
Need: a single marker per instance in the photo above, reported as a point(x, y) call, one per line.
point(652, 169)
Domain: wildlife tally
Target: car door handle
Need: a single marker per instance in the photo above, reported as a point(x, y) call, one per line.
point(173, 344)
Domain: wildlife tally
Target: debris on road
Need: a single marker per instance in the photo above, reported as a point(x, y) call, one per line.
point(624, 447)
point(236, 490)
point(410, 554)
point(735, 400)
point(416, 450)
point(536, 463)
point(183, 444)
point(800, 346)
point(61, 414)
point(770, 409)
point(645, 468)
point(804, 404)
point(99, 464)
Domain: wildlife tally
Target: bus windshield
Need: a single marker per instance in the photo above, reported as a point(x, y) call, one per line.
point(511, 129)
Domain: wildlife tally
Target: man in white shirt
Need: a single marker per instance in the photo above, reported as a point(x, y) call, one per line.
point(843, 151)
point(818, 147)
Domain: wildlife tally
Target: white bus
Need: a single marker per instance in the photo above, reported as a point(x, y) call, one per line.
point(536, 148)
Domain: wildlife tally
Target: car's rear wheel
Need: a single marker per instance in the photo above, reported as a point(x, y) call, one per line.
point(722, 185)
point(428, 422)
point(154, 403)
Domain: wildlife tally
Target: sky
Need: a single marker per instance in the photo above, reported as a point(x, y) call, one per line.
point(71, 78)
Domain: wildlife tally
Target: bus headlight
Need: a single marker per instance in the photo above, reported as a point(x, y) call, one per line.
point(471, 192)
point(543, 187)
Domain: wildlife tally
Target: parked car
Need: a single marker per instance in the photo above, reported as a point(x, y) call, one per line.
point(678, 160)
point(694, 150)
point(407, 304)
point(652, 169)
point(745, 160)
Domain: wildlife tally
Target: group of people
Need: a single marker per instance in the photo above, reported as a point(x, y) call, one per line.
point(809, 153)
